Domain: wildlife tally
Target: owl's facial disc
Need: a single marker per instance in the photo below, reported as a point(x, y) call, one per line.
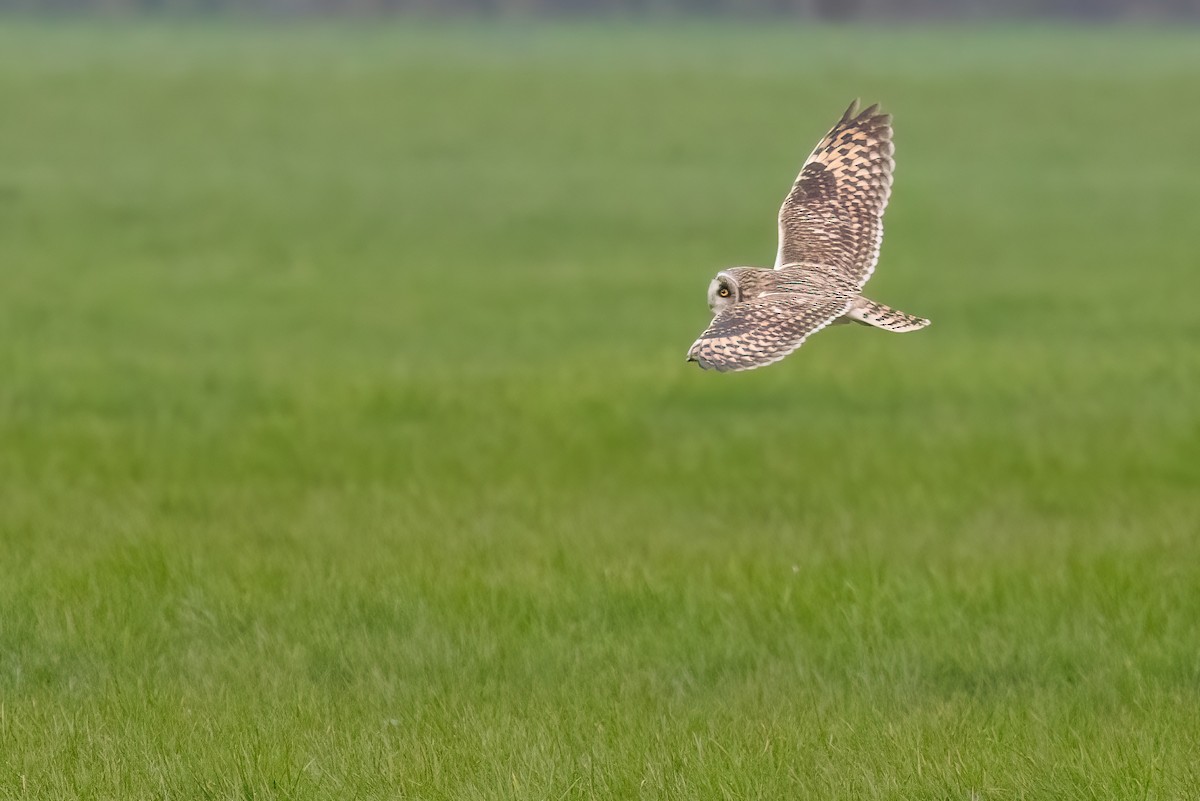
point(721, 292)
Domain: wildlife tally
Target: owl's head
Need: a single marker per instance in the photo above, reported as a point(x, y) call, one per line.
point(724, 290)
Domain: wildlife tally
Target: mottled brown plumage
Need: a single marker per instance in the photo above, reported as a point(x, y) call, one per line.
point(834, 214)
point(830, 229)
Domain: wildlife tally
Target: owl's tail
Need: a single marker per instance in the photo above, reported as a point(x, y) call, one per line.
point(868, 312)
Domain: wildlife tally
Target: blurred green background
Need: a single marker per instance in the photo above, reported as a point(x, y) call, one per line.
point(347, 448)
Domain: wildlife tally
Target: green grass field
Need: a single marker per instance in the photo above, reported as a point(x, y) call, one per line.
point(347, 448)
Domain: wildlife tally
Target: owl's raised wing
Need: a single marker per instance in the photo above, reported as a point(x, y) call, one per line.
point(833, 217)
point(762, 331)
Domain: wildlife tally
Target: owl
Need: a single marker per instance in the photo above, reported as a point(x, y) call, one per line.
point(830, 228)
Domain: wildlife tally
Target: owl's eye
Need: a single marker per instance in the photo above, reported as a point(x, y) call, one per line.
point(723, 291)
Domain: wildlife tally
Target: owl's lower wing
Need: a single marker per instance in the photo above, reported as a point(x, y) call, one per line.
point(833, 215)
point(762, 331)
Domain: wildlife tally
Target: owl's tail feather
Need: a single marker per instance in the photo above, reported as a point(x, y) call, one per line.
point(868, 312)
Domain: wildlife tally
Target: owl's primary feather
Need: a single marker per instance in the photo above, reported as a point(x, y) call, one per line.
point(830, 229)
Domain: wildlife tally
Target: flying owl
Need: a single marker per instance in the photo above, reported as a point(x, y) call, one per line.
point(830, 228)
